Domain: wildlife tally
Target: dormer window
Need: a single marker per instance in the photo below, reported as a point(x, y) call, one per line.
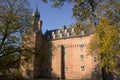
point(61, 35)
point(54, 36)
point(59, 32)
point(53, 33)
point(72, 30)
point(66, 30)
point(68, 34)
point(83, 32)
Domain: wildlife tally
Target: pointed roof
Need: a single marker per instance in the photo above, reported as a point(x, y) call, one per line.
point(37, 6)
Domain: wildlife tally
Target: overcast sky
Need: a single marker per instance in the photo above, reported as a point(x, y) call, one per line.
point(53, 18)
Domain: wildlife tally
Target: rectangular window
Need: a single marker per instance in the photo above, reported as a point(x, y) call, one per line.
point(82, 68)
point(95, 69)
point(82, 57)
point(95, 59)
point(66, 69)
point(81, 45)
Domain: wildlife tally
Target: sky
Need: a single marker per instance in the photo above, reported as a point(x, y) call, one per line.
point(53, 18)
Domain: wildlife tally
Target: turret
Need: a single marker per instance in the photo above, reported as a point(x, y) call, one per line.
point(37, 23)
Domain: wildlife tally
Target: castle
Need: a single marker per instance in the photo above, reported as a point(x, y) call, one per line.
point(60, 54)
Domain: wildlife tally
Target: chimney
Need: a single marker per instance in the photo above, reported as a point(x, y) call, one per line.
point(63, 28)
point(40, 25)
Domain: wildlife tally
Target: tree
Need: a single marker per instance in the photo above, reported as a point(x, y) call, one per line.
point(93, 9)
point(14, 23)
point(106, 44)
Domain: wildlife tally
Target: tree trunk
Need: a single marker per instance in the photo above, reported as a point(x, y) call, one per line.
point(107, 75)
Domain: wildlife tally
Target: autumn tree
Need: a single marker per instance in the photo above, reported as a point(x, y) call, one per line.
point(14, 23)
point(106, 44)
point(84, 9)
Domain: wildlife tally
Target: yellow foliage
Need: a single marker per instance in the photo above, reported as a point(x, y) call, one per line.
point(105, 43)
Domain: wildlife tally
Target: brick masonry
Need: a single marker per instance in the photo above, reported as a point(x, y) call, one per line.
point(72, 66)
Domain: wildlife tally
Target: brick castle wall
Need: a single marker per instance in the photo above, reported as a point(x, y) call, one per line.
point(76, 63)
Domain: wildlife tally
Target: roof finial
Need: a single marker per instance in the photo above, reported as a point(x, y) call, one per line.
point(37, 6)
